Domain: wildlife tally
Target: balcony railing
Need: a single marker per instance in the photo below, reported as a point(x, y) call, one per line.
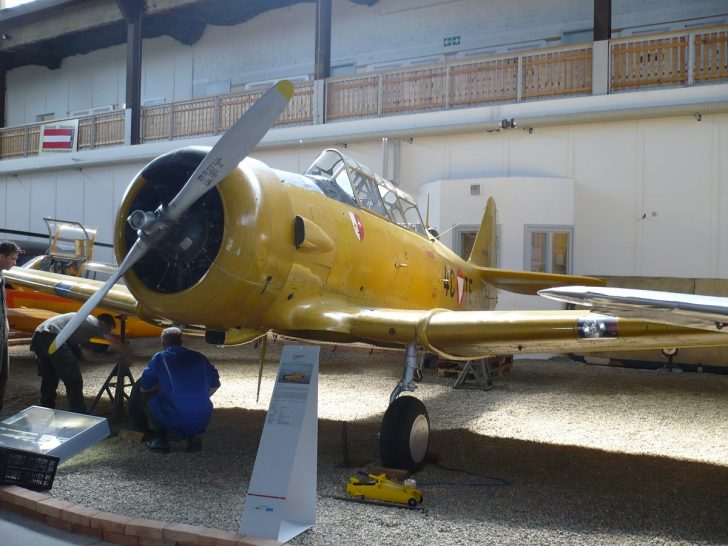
point(668, 60)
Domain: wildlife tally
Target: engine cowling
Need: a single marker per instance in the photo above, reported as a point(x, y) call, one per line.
point(227, 258)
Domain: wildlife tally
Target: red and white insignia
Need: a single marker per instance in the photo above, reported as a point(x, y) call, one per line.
point(461, 287)
point(358, 227)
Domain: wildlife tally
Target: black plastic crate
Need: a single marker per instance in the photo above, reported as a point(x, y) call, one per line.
point(27, 469)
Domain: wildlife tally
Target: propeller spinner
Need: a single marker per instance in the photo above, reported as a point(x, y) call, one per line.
point(154, 226)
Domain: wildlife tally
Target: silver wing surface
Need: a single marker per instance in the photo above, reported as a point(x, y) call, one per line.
point(691, 310)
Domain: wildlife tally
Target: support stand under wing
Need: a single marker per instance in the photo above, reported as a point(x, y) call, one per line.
point(119, 378)
point(480, 370)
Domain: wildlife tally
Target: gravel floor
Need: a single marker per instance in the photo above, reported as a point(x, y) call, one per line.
point(558, 452)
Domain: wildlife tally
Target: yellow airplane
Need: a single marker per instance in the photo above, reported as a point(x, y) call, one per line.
point(212, 240)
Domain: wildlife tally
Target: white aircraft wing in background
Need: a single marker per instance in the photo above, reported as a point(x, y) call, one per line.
point(692, 310)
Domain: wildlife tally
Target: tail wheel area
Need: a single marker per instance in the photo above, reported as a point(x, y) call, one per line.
point(405, 434)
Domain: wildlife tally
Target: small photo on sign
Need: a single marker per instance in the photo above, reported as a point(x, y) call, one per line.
point(294, 372)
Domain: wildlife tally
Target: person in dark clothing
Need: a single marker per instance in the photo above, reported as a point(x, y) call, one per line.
point(8, 257)
point(176, 387)
point(63, 364)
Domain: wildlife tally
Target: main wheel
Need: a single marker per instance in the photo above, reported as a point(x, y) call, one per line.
point(405, 434)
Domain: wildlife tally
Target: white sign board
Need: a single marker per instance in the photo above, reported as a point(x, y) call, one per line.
point(281, 501)
point(58, 137)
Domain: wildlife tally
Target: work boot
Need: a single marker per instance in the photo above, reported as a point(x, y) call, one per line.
point(194, 443)
point(159, 444)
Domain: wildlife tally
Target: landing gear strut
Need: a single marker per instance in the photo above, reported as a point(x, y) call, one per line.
point(405, 433)
point(669, 353)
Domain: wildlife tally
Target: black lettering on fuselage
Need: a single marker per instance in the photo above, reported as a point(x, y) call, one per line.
point(452, 288)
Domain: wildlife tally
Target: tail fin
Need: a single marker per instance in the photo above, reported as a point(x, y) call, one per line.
point(483, 253)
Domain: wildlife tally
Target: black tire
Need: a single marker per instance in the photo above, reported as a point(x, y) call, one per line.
point(412, 502)
point(404, 437)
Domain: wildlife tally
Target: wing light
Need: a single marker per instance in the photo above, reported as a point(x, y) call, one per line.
point(596, 328)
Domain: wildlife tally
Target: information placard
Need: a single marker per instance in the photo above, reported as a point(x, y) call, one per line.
point(281, 501)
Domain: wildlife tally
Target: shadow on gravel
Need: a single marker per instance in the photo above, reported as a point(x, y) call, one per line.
point(560, 488)
point(566, 487)
point(554, 487)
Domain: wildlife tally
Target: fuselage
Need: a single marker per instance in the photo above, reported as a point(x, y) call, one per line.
point(291, 241)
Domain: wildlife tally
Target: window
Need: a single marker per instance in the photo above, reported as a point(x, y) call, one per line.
point(391, 204)
point(463, 239)
point(368, 193)
point(412, 217)
point(548, 249)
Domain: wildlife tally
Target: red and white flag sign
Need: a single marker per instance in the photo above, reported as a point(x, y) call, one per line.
point(59, 136)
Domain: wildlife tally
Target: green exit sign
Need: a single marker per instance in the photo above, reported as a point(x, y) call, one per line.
point(451, 41)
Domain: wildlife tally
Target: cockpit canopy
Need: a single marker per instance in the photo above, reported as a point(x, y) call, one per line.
point(355, 185)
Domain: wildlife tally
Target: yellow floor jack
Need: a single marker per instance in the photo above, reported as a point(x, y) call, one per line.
point(375, 486)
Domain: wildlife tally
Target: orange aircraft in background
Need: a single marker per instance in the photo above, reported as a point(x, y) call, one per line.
point(69, 252)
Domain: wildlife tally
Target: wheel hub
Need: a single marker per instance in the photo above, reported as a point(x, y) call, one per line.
point(419, 438)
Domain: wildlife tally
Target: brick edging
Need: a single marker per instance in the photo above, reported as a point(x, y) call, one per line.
point(114, 528)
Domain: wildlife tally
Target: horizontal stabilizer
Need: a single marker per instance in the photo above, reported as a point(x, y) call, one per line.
point(530, 282)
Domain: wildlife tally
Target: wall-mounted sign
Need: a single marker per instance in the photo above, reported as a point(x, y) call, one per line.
point(59, 136)
point(451, 41)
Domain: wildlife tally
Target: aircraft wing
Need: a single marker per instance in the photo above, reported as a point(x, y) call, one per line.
point(463, 335)
point(458, 335)
point(695, 311)
point(118, 299)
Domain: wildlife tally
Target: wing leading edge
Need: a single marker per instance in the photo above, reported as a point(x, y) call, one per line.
point(463, 335)
point(73, 288)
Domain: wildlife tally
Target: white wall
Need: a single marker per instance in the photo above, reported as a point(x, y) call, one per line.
point(601, 177)
point(166, 70)
point(520, 201)
point(90, 196)
point(672, 171)
point(280, 43)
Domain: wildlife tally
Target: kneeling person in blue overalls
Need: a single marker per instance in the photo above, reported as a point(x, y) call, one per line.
point(176, 387)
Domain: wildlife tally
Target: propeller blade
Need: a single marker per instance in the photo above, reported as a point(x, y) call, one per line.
point(233, 147)
point(224, 156)
point(136, 253)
